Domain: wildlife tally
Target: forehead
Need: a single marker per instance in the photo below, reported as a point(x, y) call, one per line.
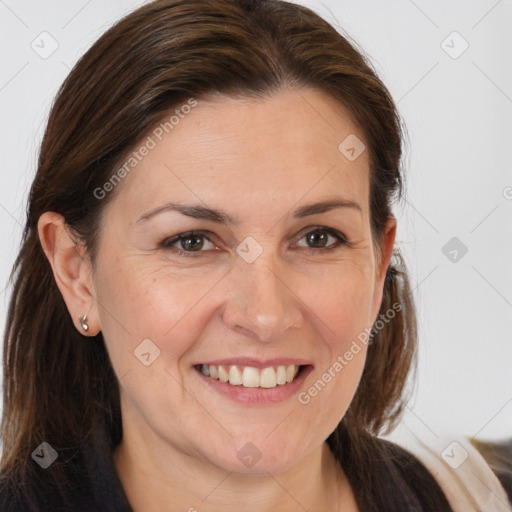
point(269, 153)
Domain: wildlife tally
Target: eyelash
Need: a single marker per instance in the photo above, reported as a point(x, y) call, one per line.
point(168, 242)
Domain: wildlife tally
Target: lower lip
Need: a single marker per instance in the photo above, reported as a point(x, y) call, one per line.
point(257, 396)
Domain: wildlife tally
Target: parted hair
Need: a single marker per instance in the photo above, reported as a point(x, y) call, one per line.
point(60, 388)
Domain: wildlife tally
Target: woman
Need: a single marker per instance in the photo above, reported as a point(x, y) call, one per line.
point(205, 315)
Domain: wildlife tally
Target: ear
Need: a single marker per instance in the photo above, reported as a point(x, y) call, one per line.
point(388, 242)
point(72, 270)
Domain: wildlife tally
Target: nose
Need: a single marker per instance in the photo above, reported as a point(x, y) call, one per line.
point(261, 303)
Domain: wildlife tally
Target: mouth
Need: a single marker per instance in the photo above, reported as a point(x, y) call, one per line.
point(253, 377)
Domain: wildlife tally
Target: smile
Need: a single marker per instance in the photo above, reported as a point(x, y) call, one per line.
point(251, 377)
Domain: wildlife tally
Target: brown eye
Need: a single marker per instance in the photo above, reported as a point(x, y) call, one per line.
point(186, 244)
point(317, 240)
point(192, 243)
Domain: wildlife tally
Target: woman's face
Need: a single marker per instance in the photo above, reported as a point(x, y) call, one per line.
point(267, 284)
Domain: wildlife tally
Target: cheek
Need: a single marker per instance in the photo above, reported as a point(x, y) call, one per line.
point(140, 299)
point(342, 300)
point(343, 307)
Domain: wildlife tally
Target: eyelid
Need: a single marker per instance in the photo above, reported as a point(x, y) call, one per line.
point(332, 231)
point(169, 241)
point(340, 237)
point(342, 240)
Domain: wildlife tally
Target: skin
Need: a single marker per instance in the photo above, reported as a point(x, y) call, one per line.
point(258, 160)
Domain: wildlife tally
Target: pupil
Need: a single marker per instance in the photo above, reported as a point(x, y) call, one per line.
point(191, 246)
point(314, 238)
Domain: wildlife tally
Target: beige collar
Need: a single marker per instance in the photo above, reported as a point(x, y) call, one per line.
point(468, 482)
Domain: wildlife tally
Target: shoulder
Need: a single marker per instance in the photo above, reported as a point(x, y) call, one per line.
point(472, 479)
point(385, 476)
point(404, 474)
point(85, 482)
point(498, 455)
point(30, 495)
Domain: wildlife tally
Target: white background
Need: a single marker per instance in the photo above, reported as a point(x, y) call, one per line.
point(459, 181)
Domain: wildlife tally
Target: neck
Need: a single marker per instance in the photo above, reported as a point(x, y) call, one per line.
point(156, 475)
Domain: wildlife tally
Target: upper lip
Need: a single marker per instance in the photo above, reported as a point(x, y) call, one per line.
point(256, 363)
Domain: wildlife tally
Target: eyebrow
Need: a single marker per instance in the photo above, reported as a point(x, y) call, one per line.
point(197, 211)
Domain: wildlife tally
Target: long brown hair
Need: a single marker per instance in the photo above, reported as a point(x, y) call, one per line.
point(58, 387)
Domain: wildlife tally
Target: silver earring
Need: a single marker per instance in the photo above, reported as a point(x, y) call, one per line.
point(83, 323)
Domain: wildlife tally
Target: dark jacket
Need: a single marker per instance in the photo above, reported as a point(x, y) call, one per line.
point(96, 487)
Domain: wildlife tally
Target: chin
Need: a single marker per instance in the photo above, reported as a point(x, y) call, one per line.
point(258, 457)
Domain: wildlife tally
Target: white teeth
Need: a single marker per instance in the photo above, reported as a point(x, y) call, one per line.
point(235, 376)
point(281, 375)
point(214, 372)
point(268, 378)
point(223, 374)
point(250, 377)
point(290, 373)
